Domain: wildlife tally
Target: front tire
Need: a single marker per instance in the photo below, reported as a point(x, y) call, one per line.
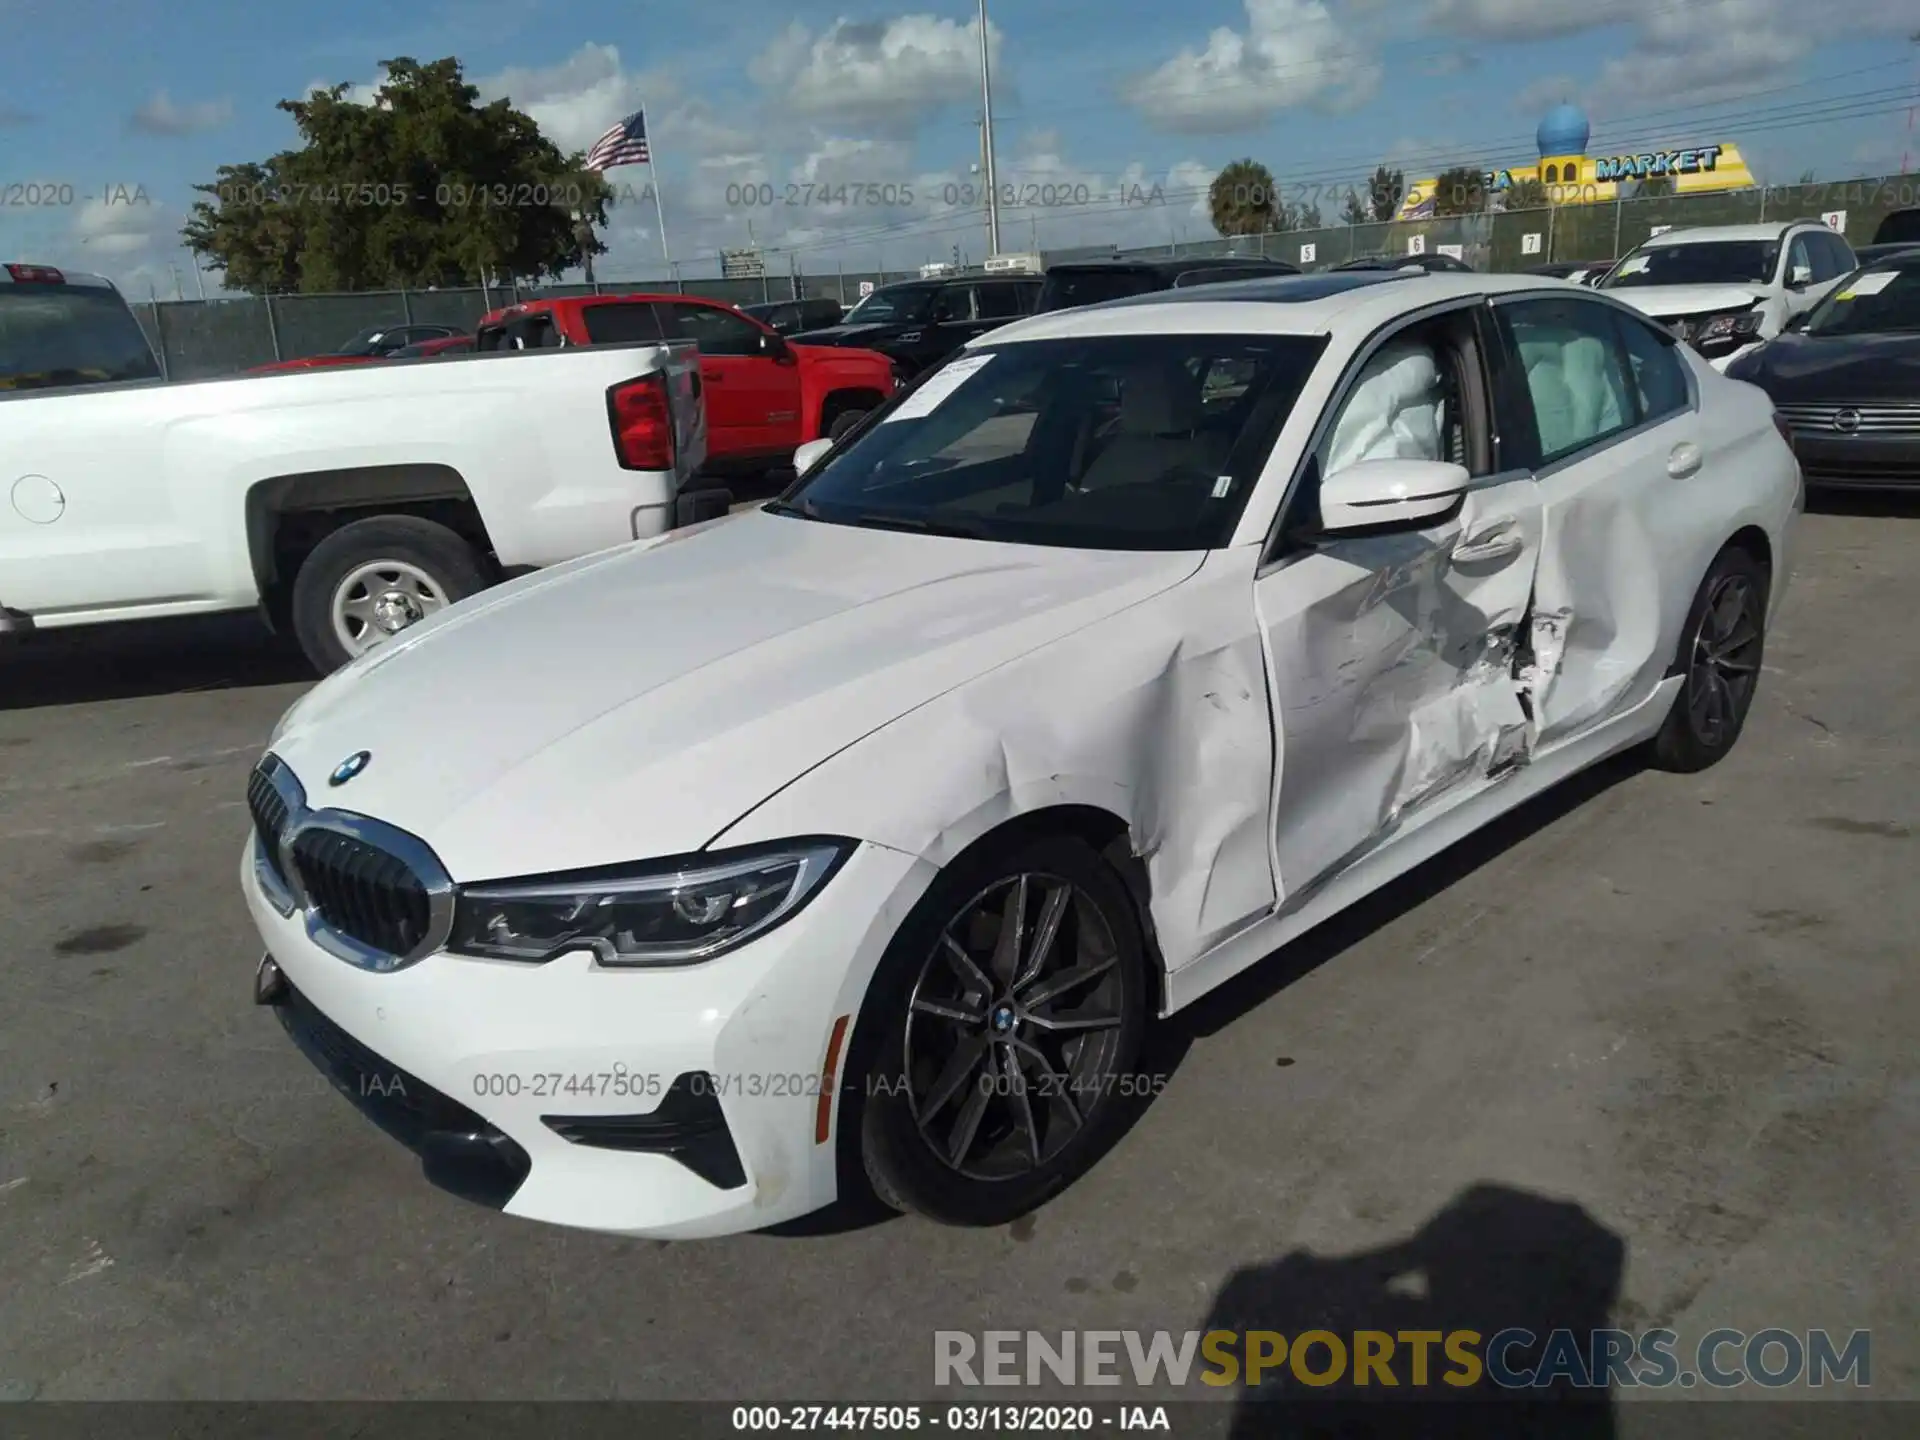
point(1721, 650)
point(845, 421)
point(373, 579)
point(1005, 1028)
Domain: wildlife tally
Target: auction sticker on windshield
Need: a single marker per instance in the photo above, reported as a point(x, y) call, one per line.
point(1871, 283)
point(1633, 264)
point(932, 395)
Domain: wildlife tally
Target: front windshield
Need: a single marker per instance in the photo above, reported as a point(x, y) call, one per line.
point(362, 344)
point(901, 305)
point(1699, 262)
point(1126, 442)
point(1881, 300)
point(1066, 289)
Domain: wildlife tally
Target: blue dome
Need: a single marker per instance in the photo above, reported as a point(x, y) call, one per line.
point(1563, 131)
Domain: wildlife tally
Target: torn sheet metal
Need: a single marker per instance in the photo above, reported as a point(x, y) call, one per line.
point(1394, 677)
point(1157, 714)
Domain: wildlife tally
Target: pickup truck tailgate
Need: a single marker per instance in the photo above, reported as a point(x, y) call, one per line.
point(689, 407)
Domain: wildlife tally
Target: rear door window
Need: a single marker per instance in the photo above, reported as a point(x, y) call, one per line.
point(621, 323)
point(716, 331)
point(999, 302)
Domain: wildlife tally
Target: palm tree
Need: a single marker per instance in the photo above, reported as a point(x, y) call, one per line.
point(1243, 199)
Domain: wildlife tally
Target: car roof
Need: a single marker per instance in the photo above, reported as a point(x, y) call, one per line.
point(1702, 234)
point(1319, 304)
point(1172, 267)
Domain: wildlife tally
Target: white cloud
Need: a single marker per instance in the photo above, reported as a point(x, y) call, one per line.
point(575, 101)
point(1530, 19)
point(1293, 52)
point(1546, 92)
point(882, 71)
point(162, 116)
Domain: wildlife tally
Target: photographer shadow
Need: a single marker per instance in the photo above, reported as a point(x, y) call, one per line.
point(1495, 1259)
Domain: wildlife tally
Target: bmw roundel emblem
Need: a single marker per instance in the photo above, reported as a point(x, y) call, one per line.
point(349, 767)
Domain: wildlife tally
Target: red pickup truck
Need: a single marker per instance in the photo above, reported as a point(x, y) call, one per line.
point(766, 396)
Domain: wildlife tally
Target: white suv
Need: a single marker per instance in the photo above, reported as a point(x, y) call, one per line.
point(1728, 288)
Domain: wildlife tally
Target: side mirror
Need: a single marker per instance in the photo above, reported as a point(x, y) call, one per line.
point(810, 455)
point(774, 346)
point(1802, 277)
point(1407, 493)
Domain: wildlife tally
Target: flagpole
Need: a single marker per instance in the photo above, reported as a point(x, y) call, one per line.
point(653, 168)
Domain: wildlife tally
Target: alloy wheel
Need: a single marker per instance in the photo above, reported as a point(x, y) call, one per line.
point(1726, 661)
point(1013, 1027)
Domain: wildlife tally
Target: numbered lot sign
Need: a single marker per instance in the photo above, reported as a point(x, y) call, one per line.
point(1416, 245)
point(1307, 252)
point(1530, 242)
point(1835, 219)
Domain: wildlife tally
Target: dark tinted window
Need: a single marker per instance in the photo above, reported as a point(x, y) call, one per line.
point(69, 335)
point(1899, 228)
point(621, 324)
point(715, 331)
point(999, 302)
point(524, 332)
point(1064, 288)
point(1698, 262)
point(895, 305)
point(1137, 442)
point(1655, 367)
point(1840, 259)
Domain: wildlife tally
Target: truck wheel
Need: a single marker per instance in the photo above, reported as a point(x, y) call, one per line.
point(368, 581)
point(845, 421)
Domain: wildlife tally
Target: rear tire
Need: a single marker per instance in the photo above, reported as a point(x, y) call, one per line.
point(993, 1079)
point(373, 579)
point(1721, 649)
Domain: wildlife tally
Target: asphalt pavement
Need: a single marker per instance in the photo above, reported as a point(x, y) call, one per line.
point(1658, 1030)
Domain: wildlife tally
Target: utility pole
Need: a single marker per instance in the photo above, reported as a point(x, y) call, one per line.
point(1906, 150)
point(986, 137)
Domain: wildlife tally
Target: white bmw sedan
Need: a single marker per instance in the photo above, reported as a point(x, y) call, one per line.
point(857, 840)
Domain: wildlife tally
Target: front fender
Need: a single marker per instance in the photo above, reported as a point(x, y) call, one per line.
point(1158, 715)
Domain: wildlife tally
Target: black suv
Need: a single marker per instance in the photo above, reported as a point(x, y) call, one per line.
point(1444, 264)
point(919, 323)
point(1899, 231)
point(1076, 283)
point(791, 317)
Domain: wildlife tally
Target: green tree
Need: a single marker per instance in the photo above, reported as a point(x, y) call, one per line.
point(1385, 191)
point(1460, 190)
point(1527, 195)
point(1302, 217)
point(1244, 200)
point(424, 186)
point(1356, 210)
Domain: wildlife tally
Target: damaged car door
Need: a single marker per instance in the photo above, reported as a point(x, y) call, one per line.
point(1391, 646)
point(1603, 404)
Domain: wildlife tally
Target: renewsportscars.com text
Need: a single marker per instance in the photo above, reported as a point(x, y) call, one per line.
point(1511, 1359)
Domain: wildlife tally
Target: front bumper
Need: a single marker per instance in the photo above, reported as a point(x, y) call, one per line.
point(1858, 462)
point(586, 1096)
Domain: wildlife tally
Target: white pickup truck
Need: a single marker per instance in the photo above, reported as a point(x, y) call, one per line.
point(345, 503)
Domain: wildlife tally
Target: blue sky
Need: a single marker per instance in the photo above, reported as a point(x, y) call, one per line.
point(1112, 114)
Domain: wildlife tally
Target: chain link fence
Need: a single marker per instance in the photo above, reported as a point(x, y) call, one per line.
point(199, 339)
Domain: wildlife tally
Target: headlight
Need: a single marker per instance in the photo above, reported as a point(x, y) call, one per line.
point(679, 914)
point(1728, 331)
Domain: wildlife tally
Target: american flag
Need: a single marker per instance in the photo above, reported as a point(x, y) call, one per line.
point(624, 144)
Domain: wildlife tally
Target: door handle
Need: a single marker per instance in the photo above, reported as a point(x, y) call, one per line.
point(1493, 545)
point(1684, 460)
point(715, 379)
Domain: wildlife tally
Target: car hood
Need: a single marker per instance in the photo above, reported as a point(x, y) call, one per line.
point(1812, 368)
point(638, 702)
point(1663, 302)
